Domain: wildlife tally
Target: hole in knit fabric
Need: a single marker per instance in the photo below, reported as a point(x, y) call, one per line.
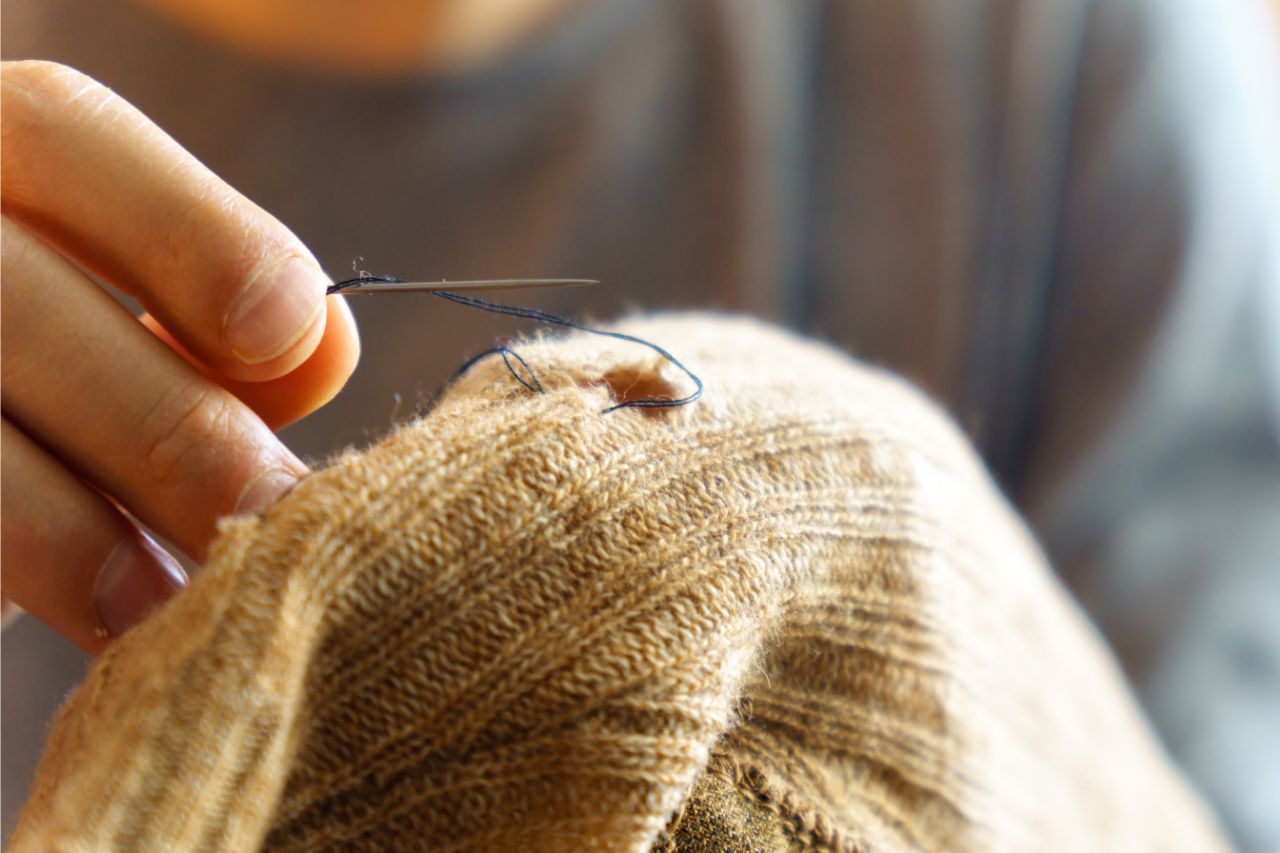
point(639, 383)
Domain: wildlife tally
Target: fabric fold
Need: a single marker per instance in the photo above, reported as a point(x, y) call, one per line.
point(794, 615)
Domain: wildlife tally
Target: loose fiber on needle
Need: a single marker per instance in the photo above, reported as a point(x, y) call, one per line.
point(542, 317)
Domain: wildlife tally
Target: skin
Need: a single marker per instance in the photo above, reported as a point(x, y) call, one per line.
point(107, 418)
point(111, 420)
point(372, 38)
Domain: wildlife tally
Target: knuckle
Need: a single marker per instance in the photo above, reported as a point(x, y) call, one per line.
point(186, 431)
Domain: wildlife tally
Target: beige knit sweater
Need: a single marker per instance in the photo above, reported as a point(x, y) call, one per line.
point(795, 614)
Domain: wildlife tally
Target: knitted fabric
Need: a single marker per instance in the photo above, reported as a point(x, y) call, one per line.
point(793, 615)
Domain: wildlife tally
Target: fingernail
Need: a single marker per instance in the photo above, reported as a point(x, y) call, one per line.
point(265, 489)
point(137, 577)
point(276, 308)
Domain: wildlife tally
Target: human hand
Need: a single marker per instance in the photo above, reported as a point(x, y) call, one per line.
point(167, 419)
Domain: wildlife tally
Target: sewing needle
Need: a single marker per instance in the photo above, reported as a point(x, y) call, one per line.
point(386, 284)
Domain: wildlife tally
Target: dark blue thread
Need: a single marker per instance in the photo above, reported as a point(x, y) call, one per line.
point(542, 317)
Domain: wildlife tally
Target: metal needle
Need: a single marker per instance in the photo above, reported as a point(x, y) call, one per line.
point(377, 285)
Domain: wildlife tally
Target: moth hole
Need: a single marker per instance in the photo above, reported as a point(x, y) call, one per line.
point(628, 384)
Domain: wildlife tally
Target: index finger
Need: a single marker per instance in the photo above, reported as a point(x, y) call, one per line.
point(95, 177)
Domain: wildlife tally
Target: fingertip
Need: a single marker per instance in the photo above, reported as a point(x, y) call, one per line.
point(341, 351)
point(274, 310)
point(136, 578)
point(277, 332)
point(313, 383)
point(347, 333)
point(265, 489)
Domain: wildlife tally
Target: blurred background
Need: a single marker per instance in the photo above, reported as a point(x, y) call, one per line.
point(1061, 219)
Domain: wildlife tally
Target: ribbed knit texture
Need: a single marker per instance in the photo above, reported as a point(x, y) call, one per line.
point(795, 614)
